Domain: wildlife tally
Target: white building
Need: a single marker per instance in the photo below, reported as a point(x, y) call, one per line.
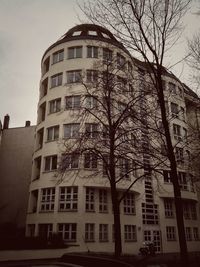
point(79, 208)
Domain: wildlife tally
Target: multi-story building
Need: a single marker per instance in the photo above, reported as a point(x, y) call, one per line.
point(16, 151)
point(77, 205)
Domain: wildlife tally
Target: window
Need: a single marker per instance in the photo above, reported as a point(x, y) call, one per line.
point(58, 56)
point(150, 213)
point(45, 230)
point(103, 201)
point(53, 133)
point(182, 180)
point(129, 233)
point(70, 161)
point(71, 130)
point(185, 134)
point(54, 105)
point(186, 210)
point(167, 176)
point(75, 52)
point(129, 204)
point(91, 76)
point(90, 161)
point(47, 199)
point(92, 52)
point(107, 54)
point(74, 76)
point(172, 88)
point(39, 138)
point(91, 130)
point(73, 102)
point(93, 33)
point(50, 163)
point(103, 232)
point(45, 66)
point(67, 231)
point(89, 201)
point(56, 80)
point(89, 232)
point(177, 132)
point(169, 212)
point(193, 211)
point(196, 233)
point(188, 233)
point(174, 110)
point(90, 102)
point(124, 165)
point(77, 33)
point(179, 155)
point(44, 88)
point(182, 113)
point(120, 61)
point(171, 233)
point(68, 199)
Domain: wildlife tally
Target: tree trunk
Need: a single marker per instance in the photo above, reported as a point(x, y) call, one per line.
point(174, 175)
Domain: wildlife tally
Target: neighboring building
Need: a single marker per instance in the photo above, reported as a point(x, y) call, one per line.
point(78, 208)
point(16, 151)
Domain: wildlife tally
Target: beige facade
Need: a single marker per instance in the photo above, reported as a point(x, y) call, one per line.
point(77, 205)
point(16, 149)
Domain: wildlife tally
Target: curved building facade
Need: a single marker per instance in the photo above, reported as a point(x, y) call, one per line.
point(78, 207)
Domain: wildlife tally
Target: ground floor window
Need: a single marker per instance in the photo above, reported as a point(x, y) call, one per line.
point(45, 230)
point(171, 233)
point(68, 231)
point(89, 232)
point(129, 233)
point(103, 232)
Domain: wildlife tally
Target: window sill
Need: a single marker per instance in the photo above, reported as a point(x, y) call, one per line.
point(67, 210)
point(50, 171)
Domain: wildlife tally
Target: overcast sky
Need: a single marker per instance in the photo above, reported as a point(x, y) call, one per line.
point(27, 29)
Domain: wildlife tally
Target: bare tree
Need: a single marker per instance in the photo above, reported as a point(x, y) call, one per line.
point(148, 29)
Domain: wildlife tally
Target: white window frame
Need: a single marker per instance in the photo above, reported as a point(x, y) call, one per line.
point(130, 233)
point(129, 204)
point(91, 130)
point(177, 132)
point(92, 52)
point(188, 233)
point(89, 232)
point(68, 198)
point(196, 233)
point(47, 199)
point(50, 164)
point(58, 56)
point(73, 102)
point(68, 231)
point(70, 161)
point(89, 199)
point(169, 211)
point(52, 133)
point(90, 102)
point(56, 80)
point(103, 233)
point(74, 76)
point(171, 233)
point(103, 201)
point(54, 105)
point(174, 110)
point(75, 52)
point(90, 160)
point(71, 130)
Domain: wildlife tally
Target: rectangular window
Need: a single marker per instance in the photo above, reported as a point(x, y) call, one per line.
point(70, 161)
point(73, 102)
point(45, 67)
point(174, 110)
point(188, 233)
point(124, 167)
point(68, 198)
point(56, 80)
point(196, 233)
point(103, 232)
point(107, 54)
point(45, 230)
point(89, 232)
point(169, 212)
point(67, 231)
point(182, 113)
point(44, 88)
point(171, 233)
point(167, 176)
point(71, 130)
point(75, 52)
point(58, 56)
point(91, 76)
point(179, 155)
point(182, 180)
point(90, 102)
point(120, 61)
point(90, 201)
point(91, 130)
point(103, 200)
point(47, 199)
point(74, 76)
point(193, 211)
point(129, 204)
point(50, 163)
point(90, 161)
point(129, 233)
point(53, 133)
point(186, 210)
point(172, 88)
point(54, 105)
point(177, 132)
point(92, 51)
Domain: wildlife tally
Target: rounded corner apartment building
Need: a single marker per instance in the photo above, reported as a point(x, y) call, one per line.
point(80, 209)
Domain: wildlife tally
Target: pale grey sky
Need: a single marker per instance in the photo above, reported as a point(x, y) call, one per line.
point(27, 29)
